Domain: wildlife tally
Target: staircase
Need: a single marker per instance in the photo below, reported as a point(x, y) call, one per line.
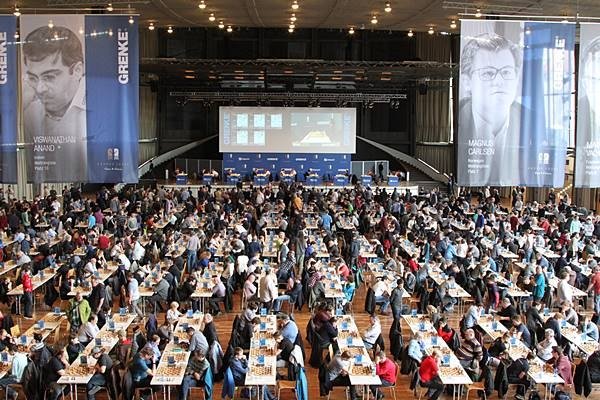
point(419, 171)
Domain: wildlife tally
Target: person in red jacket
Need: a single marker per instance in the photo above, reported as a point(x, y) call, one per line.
point(27, 292)
point(429, 374)
point(387, 371)
point(444, 331)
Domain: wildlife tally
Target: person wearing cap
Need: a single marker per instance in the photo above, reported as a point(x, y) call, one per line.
point(101, 372)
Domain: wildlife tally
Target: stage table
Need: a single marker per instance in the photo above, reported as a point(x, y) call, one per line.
point(366, 180)
point(207, 179)
point(340, 180)
point(393, 180)
point(181, 179)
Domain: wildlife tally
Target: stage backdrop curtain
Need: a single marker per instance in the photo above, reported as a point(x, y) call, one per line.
point(588, 198)
point(433, 109)
point(148, 124)
point(148, 43)
point(440, 157)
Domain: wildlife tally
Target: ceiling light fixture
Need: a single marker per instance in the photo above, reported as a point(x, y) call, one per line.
point(211, 18)
point(351, 30)
point(291, 30)
point(16, 34)
point(170, 29)
point(131, 20)
point(478, 13)
point(374, 19)
point(292, 26)
point(202, 5)
point(151, 26)
point(293, 17)
point(229, 29)
point(388, 7)
point(295, 5)
point(17, 13)
point(453, 24)
point(410, 33)
point(109, 7)
point(50, 24)
point(431, 31)
point(221, 25)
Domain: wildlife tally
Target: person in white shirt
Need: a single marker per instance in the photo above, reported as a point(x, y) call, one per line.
point(134, 294)
point(138, 251)
point(124, 261)
point(371, 334)
point(242, 264)
point(544, 348)
point(381, 295)
point(90, 267)
point(564, 290)
point(267, 289)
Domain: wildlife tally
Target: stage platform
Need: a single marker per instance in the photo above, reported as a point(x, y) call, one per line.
point(403, 187)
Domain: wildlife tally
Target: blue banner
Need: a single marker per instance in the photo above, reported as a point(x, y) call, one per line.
point(516, 81)
point(8, 99)
point(113, 99)
point(80, 98)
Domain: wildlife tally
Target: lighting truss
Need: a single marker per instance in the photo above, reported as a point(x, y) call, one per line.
point(288, 99)
point(506, 7)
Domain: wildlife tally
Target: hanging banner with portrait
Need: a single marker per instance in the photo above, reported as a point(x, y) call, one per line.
point(80, 98)
point(8, 99)
point(514, 102)
point(587, 144)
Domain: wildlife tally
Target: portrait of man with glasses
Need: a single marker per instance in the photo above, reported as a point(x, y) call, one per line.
point(489, 114)
point(588, 121)
point(54, 106)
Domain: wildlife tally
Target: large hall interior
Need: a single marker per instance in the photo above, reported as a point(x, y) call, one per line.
point(299, 199)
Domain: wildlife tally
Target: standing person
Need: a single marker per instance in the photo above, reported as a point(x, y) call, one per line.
point(78, 312)
point(192, 246)
point(429, 374)
point(595, 285)
point(27, 292)
point(96, 300)
point(134, 294)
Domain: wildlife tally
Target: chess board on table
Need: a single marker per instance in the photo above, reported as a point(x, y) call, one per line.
point(255, 352)
point(448, 372)
point(361, 370)
point(261, 370)
point(347, 334)
point(169, 370)
point(79, 370)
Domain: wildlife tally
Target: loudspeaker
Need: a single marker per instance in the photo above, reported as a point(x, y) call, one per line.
point(422, 89)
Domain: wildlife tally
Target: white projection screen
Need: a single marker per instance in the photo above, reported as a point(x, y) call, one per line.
point(287, 130)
